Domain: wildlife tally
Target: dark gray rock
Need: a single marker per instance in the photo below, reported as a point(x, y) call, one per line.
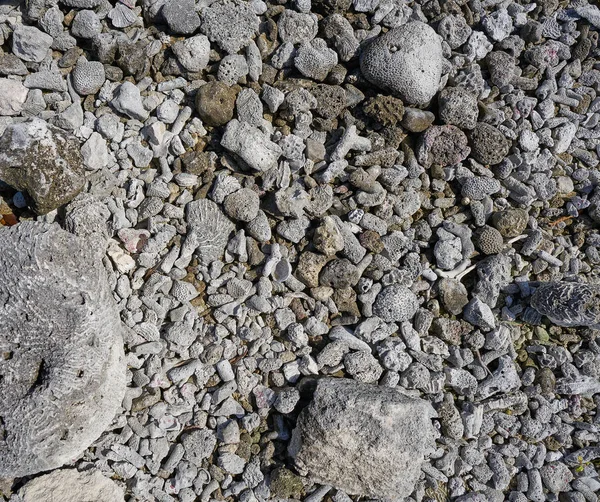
point(181, 16)
point(489, 145)
point(65, 375)
point(43, 161)
point(364, 439)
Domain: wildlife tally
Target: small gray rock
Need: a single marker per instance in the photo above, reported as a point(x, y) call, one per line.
point(395, 303)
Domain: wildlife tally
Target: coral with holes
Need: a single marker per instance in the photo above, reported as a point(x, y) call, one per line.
point(315, 60)
point(88, 77)
point(62, 370)
point(569, 303)
point(406, 61)
point(231, 24)
point(395, 303)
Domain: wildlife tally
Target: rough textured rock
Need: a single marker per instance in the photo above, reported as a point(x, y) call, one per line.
point(43, 161)
point(65, 377)
point(396, 303)
point(230, 24)
point(209, 230)
point(69, 485)
point(364, 439)
point(12, 97)
point(406, 61)
point(215, 103)
point(489, 146)
point(569, 303)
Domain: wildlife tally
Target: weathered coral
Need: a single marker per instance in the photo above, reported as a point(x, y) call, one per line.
point(364, 439)
point(569, 303)
point(88, 77)
point(406, 61)
point(43, 161)
point(396, 303)
point(81, 4)
point(231, 24)
point(62, 374)
point(315, 60)
point(208, 232)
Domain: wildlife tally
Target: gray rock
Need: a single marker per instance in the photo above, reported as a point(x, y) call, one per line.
point(242, 205)
point(128, 101)
point(251, 145)
point(395, 303)
point(86, 24)
point(193, 53)
point(13, 95)
point(315, 60)
point(230, 24)
point(296, 27)
point(479, 314)
point(65, 378)
point(43, 161)
point(458, 107)
point(363, 439)
point(453, 295)
point(406, 61)
point(569, 303)
point(556, 477)
point(198, 444)
point(69, 485)
point(181, 16)
point(81, 4)
point(30, 44)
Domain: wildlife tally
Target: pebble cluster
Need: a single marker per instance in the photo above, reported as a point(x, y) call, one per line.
point(353, 250)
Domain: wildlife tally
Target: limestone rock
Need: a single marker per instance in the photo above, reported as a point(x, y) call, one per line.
point(69, 485)
point(364, 439)
point(43, 161)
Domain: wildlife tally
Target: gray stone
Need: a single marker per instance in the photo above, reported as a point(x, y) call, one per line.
point(128, 101)
point(363, 439)
point(86, 24)
point(43, 161)
point(232, 24)
point(251, 145)
point(242, 205)
point(88, 77)
point(30, 44)
point(199, 445)
point(193, 53)
point(13, 95)
point(556, 477)
point(406, 61)
point(69, 485)
point(181, 16)
point(65, 378)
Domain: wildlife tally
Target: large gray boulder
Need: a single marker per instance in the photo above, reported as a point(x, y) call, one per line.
point(62, 370)
point(69, 485)
point(363, 439)
point(43, 161)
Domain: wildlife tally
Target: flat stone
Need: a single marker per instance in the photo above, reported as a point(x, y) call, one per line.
point(69, 485)
point(13, 95)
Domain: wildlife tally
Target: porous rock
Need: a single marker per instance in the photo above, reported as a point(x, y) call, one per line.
point(65, 377)
point(215, 103)
point(364, 439)
point(69, 485)
point(395, 303)
point(406, 61)
point(43, 161)
point(210, 229)
point(489, 146)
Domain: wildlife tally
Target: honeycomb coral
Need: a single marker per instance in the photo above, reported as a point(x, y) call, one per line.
point(88, 77)
point(62, 370)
